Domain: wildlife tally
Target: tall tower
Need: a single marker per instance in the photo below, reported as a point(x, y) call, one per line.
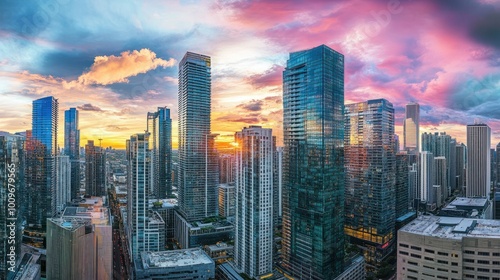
point(254, 201)
point(411, 127)
point(478, 160)
point(72, 147)
point(198, 178)
point(95, 170)
point(139, 180)
point(426, 176)
point(313, 163)
point(41, 162)
point(160, 141)
point(370, 177)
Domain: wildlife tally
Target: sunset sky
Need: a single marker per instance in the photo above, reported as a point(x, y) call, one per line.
point(117, 60)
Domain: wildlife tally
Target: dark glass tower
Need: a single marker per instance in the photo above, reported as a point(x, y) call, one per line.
point(313, 175)
point(72, 147)
point(41, 164)
point(160, 141)
point(198, 177)
point(370, 167)
point(95, 170)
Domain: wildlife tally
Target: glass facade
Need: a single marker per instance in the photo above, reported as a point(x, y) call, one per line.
point(41, 164)
point(411, 127)
point(370, 166)
point(313, 164)
point(72, 147)
point(402, 183)
point(95, 170)
point(198, 176)
point(160, 141)
point(138, 172)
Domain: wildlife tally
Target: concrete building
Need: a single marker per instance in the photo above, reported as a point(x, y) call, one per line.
point(176, 264)
point(355, 270)
point(478, 160)
point(226, 272)
point(95, 172)
point(201, 233)
point(426, 179)
point(449, 248)
point(477, 208)
point(63, 176)
point(440, 178)
point(165, 209)
point(254, 201)
point(154, 235)
point(411, 127)
point(226, 169)
point(79, 243)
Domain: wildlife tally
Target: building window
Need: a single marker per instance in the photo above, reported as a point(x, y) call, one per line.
point(444, 262)
point(429, 259)
point(442, 254)
point(483, 253)
point(403, 245)
point(483, 262)
point(469, 252)
point(429, 251)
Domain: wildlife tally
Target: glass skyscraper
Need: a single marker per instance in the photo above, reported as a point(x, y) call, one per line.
point(72, 147)
point(370, 166)
point(41, 151)
point(313, 164)
point(160, 141)
point(95, 170)
point(411, 127)
point(198, 177)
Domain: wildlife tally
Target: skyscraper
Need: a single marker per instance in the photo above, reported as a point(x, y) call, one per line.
point(461, 151)
point(95, 170)
point(63, 189)
point(41, 164)
point(402, 190)
point(198, 178)
point(426, 176)
point(440, 179)
point(72, 147)
point(254, 201)
point(442, 145)
point(160, 129)
point(497, 181)
point(411, 127)
point(370, 166)
point(226, 169)
point(313, 163)
point(478, 160)
point(139, 180)
point(11, 203)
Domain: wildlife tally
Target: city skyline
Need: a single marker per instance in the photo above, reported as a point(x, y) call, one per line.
point(389, 53)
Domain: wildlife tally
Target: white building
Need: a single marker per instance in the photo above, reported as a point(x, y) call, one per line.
point(63, 175)
point(426, 179)
point(478, 160)
point(432, 247)
point(254, 201)
point(411, 127)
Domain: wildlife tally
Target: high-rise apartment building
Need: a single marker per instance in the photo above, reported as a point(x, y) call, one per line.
point(63, 186)
point(497, 167)
point(370, 166)
point(227, 200)
point(442, 145)
point(226, 169)
point(198, 177)
point(411, 127)
point(72, 147)
point(313, 163)
point(426, 177)
point(159, 126)
point(440, 179)
point(139, 180)
point(461, 160)
point(12, 182)
point(41, 151)
point(402, 190)
point(478, 160)
point(254, 201)
point(95, 170)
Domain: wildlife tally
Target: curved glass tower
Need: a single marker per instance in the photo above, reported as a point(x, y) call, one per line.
point(313, 178)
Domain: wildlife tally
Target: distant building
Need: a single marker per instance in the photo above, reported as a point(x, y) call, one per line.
point(226, 169)
point(478, 160)
point(461, 155)
point(227, 200)
point(63, 176)
point(449, 248)
point(411, 127)
point(427, 179)
point(355, 270)
point(159, 125)
point(177, 264)
point(440, 179)
point(476, 208)
point(72, 147)
point(95, 172)
point(442, 145)
point(79, 243)
point(402, 183)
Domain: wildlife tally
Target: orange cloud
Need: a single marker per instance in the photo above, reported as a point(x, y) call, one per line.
point(117, 69)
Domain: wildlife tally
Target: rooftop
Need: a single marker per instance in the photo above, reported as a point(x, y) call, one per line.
point(453, 228)
point(469, 202)
point(175, 258)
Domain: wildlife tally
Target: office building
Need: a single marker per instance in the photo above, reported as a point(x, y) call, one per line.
point(63, 177)
point(461, 155)
point(41, 151)
point(165, 209)
point(79, 243)
point(176, 264)
point(278, 187)
point(478, 160)
point(433, 247)
point(413, 186)
point(474, 208)
point(154, 235)
point(497, 167)
point(402, 190)
point(313, 163)
point(95, 170)
point(254, 201)
point(139, 180)
point(227, 200)
point(226, 169)
point(440, 179)
point(355, 269)
point(200, 233)
point(198, 160)
point(411, 127)
point(72, 147)
point(370, 165)
point(12, 182)
point(427, 179)
point(442, 145)
point(159, 126)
